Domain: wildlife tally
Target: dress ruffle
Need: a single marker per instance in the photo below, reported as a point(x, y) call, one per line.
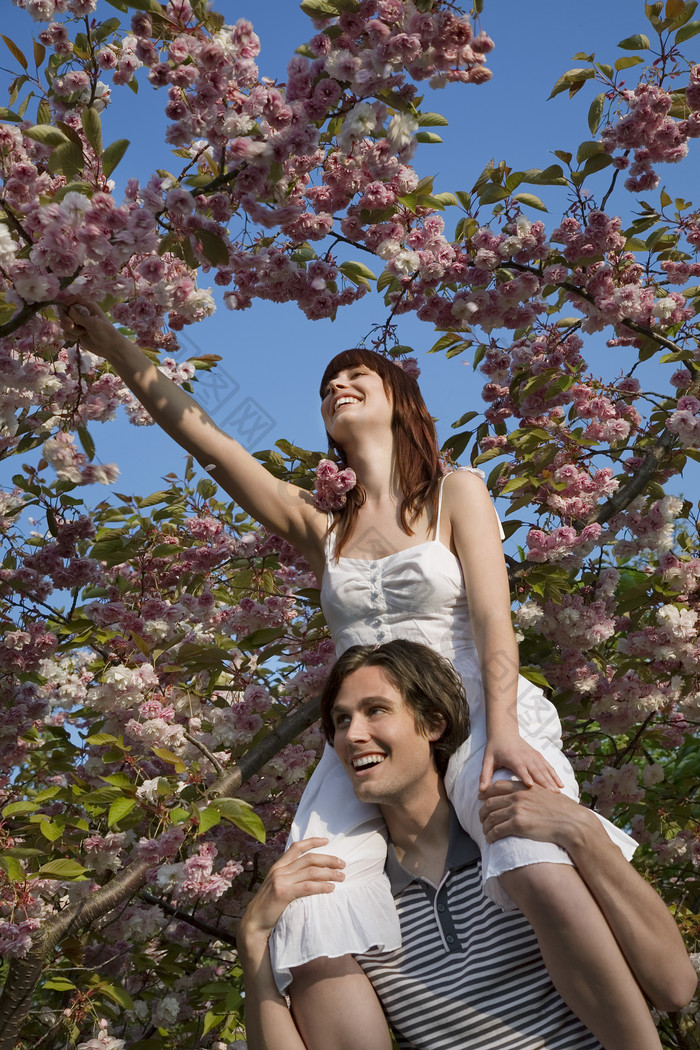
point(356, 917)
point(360, 913)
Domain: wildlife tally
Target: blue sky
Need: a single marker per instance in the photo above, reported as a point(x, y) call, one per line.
point(266, 386)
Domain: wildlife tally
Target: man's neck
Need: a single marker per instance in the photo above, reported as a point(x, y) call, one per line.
point(419, 831)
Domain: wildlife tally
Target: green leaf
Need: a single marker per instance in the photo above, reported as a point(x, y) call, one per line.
point(242, 815)
point(588, 149)
point(213, 246)
point(626, 63)
point(92, 126)
point(534, 675)
point(466, 418)
point(113, 154)
point(178, 814)
point(551, 176)
point(119, 809)
point(87, 442)
point(50, 830)
point(208, 818)
point(357, 272)
point(12, 867)
point(152, 6)
point(445, 341)
point(595, 112)
point(386, 277)
point(571, 77)
point(101, 738)
point(530, 199)
point(212, 1020)
point(66, 159)
point(39, 53)
point(74, 187)
point(43, 112)
point(318, 8)
point(9, 115)
point(58, 984)
point(47, 134)
point(597, 163)
point(492, 193)
point(174, 760)
point(427, 136)
point(514, 484)
point(638, 42)
point(115, 992)
point(432, 120)
point(19, 807)
point(691, 29)
point(154, 498)
point(12, 46)
point(61, 869)
point(465, 199)
point(446, 199)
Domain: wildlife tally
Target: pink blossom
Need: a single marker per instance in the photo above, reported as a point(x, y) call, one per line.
point(332, 485)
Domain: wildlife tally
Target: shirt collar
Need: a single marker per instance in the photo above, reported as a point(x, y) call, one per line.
point(461, 852)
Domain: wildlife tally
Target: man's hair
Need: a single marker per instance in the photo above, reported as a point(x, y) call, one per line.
point(428, 683)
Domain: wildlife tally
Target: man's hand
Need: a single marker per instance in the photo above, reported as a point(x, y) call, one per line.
point(511, 808)
point(298, 873)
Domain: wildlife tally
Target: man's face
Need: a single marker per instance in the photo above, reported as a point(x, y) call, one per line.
point(386, 756)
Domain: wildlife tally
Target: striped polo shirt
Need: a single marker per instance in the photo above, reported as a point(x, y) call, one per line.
point(468, 975)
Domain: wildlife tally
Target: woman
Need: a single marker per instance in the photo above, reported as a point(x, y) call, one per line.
point(413, 555)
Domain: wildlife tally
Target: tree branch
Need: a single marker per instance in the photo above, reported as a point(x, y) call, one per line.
point(24, 974)
point(291, 726)
point(191, 920)
point(636, 485)
point(621, 499)
point(25, 314)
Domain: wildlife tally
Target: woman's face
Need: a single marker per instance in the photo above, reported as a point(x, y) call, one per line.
point(355, 397)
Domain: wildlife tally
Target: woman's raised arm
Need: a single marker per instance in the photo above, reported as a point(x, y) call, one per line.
point(285, 509)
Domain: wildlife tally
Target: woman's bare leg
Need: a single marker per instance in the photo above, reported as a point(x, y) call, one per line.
point(330, 997)
point(582, 956)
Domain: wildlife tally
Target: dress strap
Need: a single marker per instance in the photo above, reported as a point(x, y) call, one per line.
point(329, 541)
point(472, 470)
point(436, 532)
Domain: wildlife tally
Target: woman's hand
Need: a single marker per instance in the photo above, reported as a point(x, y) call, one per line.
point(298, 873)
point(90, 326)
point(510, 751)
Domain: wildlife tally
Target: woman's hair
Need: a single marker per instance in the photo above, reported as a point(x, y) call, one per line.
point(428, 683)
point(416, 451)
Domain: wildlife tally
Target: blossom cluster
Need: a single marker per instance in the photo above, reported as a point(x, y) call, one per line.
point(332, 485)
point(648, 129)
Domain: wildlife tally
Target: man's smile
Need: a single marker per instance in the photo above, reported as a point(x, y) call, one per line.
point(367, 761)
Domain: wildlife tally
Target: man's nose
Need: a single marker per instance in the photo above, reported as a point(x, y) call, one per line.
point(357, 728)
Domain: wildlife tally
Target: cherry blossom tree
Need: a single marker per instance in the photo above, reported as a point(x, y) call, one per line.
point(161, 654)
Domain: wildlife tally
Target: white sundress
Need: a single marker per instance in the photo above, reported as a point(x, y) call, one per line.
point(416, 594)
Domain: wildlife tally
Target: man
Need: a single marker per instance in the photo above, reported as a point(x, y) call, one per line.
point(468, 976)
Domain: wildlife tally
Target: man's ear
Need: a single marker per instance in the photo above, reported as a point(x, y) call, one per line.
point(437, 730)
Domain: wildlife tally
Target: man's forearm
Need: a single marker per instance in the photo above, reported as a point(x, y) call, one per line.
point(639, 919)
